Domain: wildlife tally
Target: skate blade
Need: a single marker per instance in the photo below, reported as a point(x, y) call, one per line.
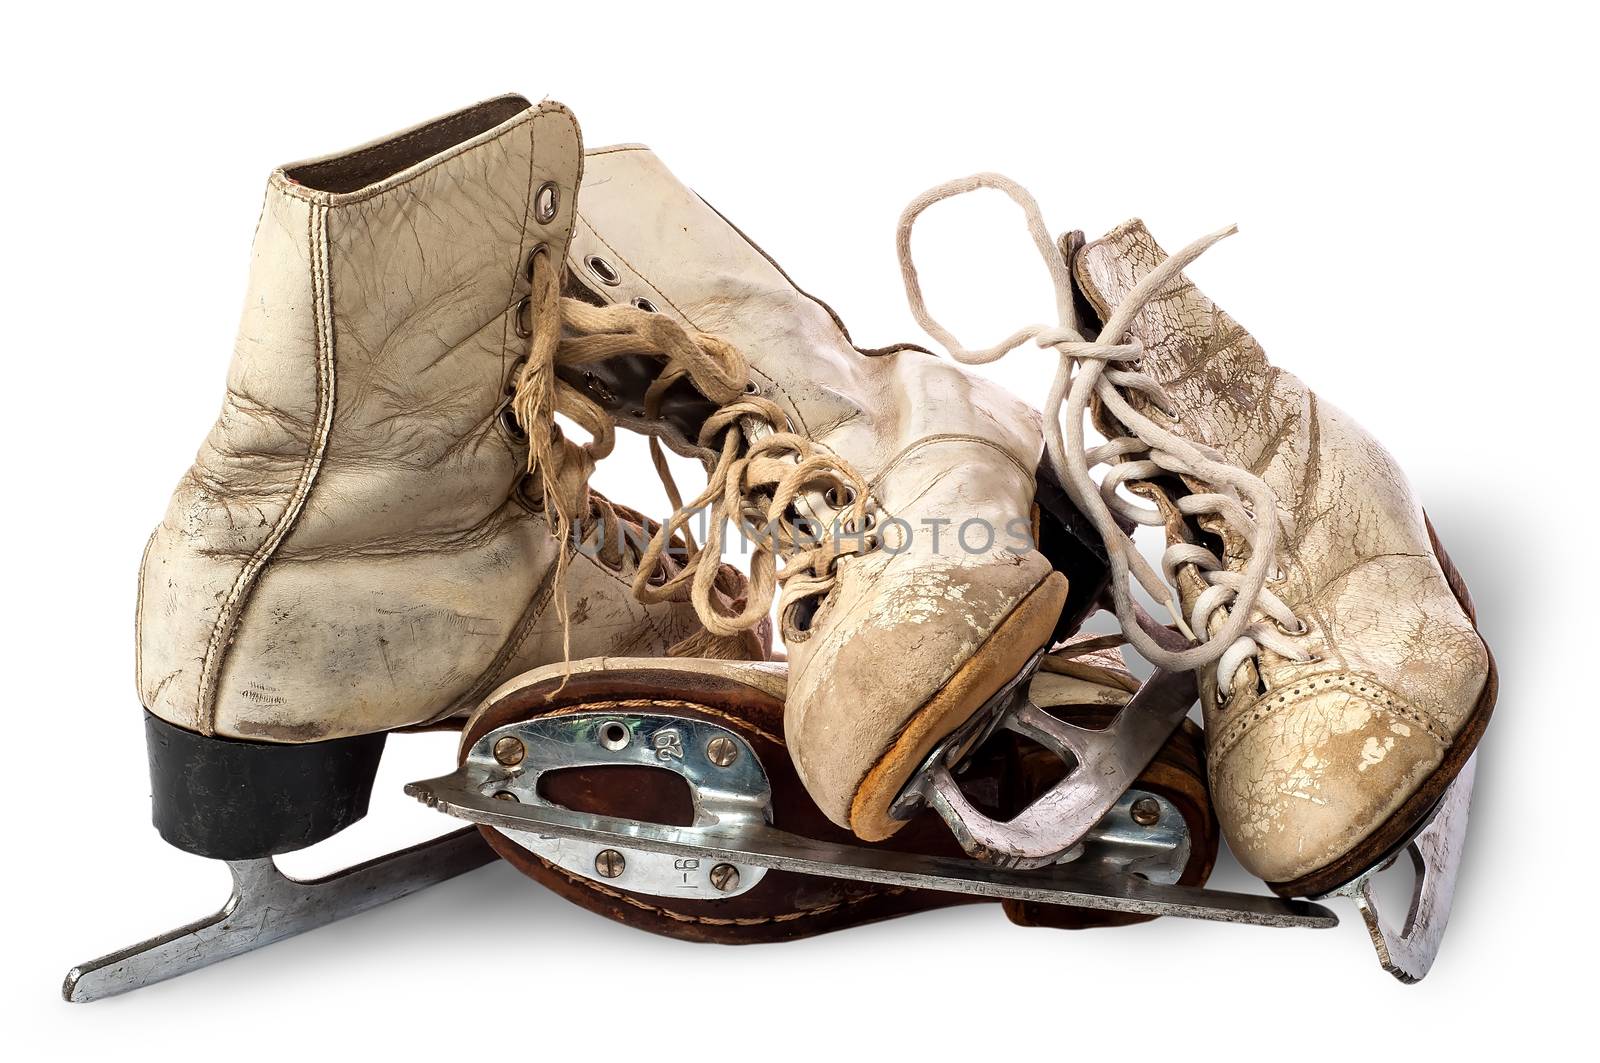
point(268, 906)
point(1103, 763)
point(460, 794)
point(1435, 851)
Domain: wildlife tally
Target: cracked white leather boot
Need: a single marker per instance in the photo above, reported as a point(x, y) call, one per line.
point(1333, 730)
point(1343, 680)
point(357, 547)
point(926, 594)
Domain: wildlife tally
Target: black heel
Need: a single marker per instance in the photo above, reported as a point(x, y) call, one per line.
point(231, 799)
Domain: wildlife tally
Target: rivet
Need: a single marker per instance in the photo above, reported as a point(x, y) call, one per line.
point(721, 751)
point(725, 877)
point(610, 863)
point(509, 751)
point(505, 795)
point(1145, 811)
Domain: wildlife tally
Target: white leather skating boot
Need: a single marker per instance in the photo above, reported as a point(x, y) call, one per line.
point(924, 593)
point(1342, 677)
point(357, 547)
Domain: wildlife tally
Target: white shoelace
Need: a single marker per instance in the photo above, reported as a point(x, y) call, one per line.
point(1105, 369)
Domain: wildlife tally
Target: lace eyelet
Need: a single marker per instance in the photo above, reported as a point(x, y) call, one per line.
point(868, 522)
point(545, 202)
point(524, 328)
point(752, 388)
point(1277, 575)
point(1302, 629)
point(527, 266)
point(605, 271)
point(514, 375)
point(513, 427)
point(646, 305)
point(840, 495)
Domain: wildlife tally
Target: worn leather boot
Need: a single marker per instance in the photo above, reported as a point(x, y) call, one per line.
point(1343, 681)
point(1324, 753)
point(897, 488)
point(356, 548)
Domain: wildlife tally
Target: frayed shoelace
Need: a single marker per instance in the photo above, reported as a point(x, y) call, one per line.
point(755, 487)
point(1105, 370)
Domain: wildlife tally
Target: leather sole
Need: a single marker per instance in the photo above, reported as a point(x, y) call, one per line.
point(1003, 654)
point(1398, 829)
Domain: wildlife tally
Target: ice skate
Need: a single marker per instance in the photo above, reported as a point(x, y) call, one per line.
point(1342, 678)
point(566, 777)
point(358, 548)
point(855, 468)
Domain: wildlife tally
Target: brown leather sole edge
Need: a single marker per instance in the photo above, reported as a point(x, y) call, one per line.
point(1395, 832)
point(1029, 626)
point(787, 906)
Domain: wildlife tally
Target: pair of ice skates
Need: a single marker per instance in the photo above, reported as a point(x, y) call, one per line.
point(387, 530)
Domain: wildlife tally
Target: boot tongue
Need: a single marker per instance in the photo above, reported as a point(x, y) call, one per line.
point(1175, 324)
point(1106, 270)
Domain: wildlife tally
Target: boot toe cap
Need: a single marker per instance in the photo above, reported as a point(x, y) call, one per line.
point(1301, 776)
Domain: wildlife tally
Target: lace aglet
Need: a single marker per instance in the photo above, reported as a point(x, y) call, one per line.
point(1177, 619)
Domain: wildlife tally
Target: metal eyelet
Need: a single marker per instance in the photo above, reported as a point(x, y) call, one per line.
point(1301, 630)
point(545, 202)
point(867, 524)
point(646, 305)
point(514, 375)
point(1277, 575)
point(523, 327)
point(840, 495)
point(513, 427)
point(752, 388)
point(605, 271)
point(537, 250)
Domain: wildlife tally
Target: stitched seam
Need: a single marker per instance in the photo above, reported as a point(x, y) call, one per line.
point(138, 621)
point(949, 437)
point(1376, 694)
point(222, 632)
point(286, 184)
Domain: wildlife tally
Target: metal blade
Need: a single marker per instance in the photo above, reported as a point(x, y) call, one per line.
point(765, 846)
point(268, 906)
point(1408, 952)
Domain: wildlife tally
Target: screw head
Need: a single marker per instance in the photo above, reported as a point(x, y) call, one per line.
point(1145, 811)
point(504, 795)
point(609, 863)
point(509, 751)
point(725, 877)
point(721, 751)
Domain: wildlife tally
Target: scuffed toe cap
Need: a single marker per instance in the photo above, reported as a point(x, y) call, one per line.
point(1302, 775)
point(904, 652)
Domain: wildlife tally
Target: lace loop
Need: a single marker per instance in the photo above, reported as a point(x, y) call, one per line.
point(1103, 370)
point(755, 488)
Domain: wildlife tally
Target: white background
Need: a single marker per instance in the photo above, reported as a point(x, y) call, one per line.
point(1415, 191)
